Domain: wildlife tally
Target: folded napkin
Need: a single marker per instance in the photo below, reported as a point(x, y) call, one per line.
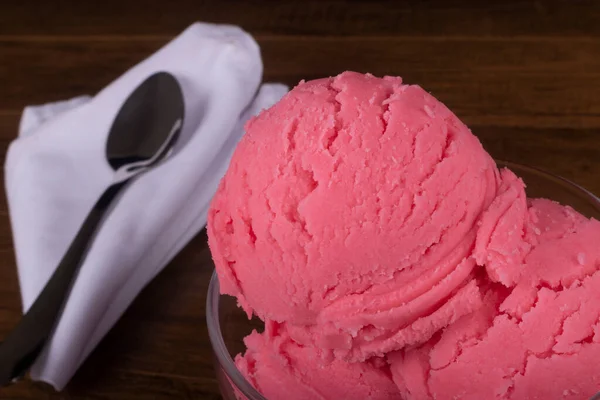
point(56, 169)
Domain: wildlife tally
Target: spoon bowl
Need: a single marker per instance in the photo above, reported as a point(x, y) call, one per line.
point(137, 139)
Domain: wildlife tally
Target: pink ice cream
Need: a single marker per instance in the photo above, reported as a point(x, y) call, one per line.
point(370, 230)
point(280, 368)
point(354, 200)
point(539, 338)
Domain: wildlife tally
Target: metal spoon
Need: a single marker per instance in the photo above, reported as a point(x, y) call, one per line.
point(142, 135)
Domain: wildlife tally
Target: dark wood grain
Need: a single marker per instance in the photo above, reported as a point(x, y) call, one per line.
point(321, 17)
point(502, 82)
point(524, 75)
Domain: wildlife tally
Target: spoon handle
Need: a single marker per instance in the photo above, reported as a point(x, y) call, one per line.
point(25, 342)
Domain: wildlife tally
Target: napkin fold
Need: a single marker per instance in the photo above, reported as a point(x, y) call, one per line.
point(56, 169)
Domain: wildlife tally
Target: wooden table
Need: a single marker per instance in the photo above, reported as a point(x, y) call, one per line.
point(524, 75)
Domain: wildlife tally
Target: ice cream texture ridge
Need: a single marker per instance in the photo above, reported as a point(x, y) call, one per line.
point(390, 258)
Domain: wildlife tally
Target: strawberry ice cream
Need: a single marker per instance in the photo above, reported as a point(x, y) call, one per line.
point(354, 200)
point(536, 339)
point(280, 368)
point(391, 259)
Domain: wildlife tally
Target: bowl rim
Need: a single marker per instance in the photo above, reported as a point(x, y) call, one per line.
point(218, 344)
point(551, 176)
point(213, 295)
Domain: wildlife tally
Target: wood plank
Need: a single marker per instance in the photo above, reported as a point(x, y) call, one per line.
point(312, 17)
point(8, 130)
point(570, 153)
point(501, 82)
point(528, 82)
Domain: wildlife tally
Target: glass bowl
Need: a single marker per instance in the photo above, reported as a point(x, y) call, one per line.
point(228, 324)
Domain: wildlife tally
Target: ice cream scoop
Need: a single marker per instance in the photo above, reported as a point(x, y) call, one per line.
point(354, 199)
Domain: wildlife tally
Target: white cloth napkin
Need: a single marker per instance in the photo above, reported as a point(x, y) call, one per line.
point(56, 169)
